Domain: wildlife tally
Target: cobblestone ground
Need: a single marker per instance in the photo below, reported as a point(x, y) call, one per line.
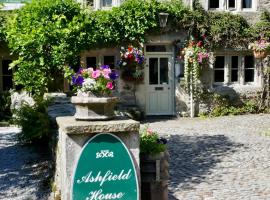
point(224, 158)
point(23, 171)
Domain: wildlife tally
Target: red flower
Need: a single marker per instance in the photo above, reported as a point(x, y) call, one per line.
point(130, 56)
point(130, 48)
point(203, 36)
point(200, 44)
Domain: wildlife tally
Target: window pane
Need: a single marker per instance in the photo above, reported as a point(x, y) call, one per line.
point(164, 71)
point(231, 3)
point(247, 3)
point(219, 62)
point(234, 75)
point(234, 62)
point(153, 70)
point(5, 66)
point(249, 75)
point(109, 60)
point(214, 4)
point(156, 48)
point(107, 3)
point(7, 82)
point(249, 62)
point(219, 75)
point(91, 62)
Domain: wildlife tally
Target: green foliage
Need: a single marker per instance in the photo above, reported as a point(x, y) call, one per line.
point(5, 101)
point(34, 121)
point(262, 28)
point(229, 30)
point(3, 18)
point(150, 142)
point(223, 106)
point(46, 35)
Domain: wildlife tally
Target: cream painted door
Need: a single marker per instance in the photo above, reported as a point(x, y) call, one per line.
point(159, 86)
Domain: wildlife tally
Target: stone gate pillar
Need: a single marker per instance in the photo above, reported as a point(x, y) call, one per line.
point(74, 135)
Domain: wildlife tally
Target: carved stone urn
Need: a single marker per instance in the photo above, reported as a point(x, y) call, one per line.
point(91, 107)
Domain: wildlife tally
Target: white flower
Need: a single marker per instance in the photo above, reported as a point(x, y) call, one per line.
point(88, 84)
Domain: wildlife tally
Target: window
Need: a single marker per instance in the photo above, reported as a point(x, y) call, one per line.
point(249, 68)
point(246, 3)
point(234, 68)
point(214, 4)
point(6, 75)
point(231, 4)
point(91, 62)
point(109, 60)
point(107, 3)
point(219, 69)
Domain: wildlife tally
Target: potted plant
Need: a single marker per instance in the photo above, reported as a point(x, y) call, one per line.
point(154, 165)
point(132, 64)
point(261, 48)
point(94, 87)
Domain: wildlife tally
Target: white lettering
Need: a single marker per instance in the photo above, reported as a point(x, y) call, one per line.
point(98, 195)
point(108, 176)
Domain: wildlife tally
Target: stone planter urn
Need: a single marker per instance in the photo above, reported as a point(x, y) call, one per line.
point(91, 107)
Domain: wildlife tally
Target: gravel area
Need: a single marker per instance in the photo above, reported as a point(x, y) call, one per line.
point(226, 158)
point(24, 170)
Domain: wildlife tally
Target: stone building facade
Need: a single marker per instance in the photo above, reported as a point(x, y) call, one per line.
point(232, 72)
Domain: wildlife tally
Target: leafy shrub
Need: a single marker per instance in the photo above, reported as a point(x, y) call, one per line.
point(249, 107)
point(5, 102)
point(34, 121)
point(150, 143)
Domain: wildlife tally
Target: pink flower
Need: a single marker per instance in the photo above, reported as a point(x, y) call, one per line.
point(109, 85)
point(149, 131)
point(96, 74)
point(200, 57)
point(106, 73)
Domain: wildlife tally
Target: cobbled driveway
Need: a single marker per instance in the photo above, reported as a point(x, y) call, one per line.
point(226, 158)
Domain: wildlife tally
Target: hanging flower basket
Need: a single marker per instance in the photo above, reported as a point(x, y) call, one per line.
point(260, 54)
point(132, 64)
point(261, 48)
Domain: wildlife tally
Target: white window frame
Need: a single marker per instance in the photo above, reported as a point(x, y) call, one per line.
point(241, 70)
point(98, 4)
point(231, 8)
point(224, 6)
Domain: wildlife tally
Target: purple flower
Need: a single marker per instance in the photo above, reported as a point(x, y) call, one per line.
point(105, 67)
point(73, 79)
point(79, 80)
point(114, 76)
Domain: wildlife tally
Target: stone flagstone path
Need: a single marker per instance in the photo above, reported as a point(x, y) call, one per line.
point(223, 158)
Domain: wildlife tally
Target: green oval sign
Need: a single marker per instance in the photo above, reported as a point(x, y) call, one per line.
point(105, 170)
